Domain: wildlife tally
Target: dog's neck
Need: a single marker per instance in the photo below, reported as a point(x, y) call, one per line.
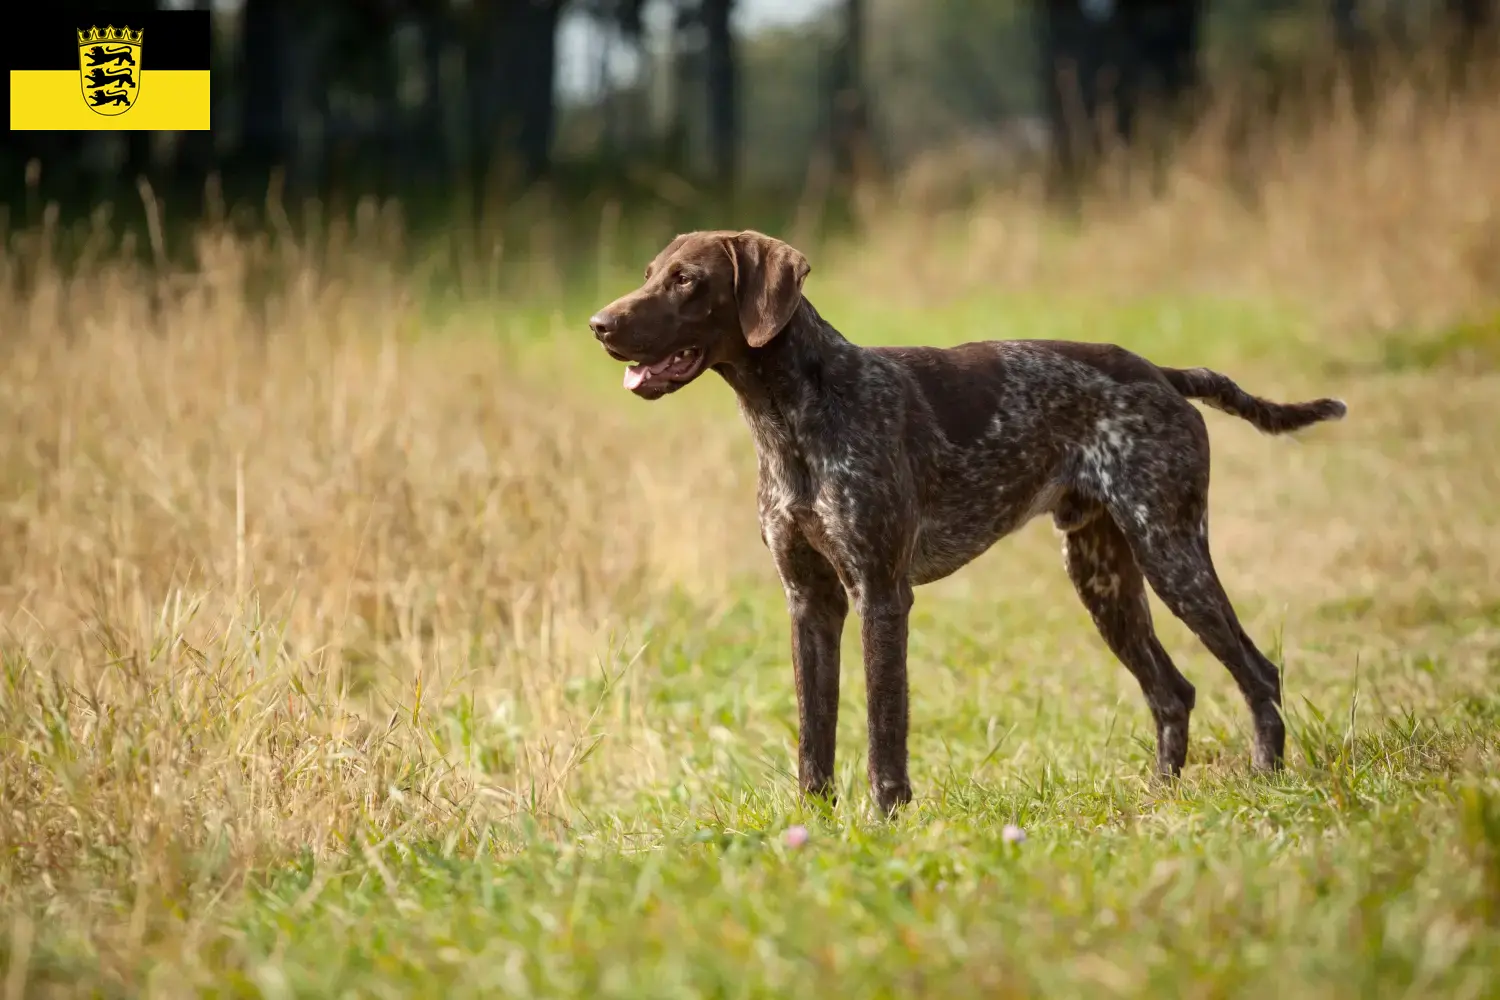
point(780, 385)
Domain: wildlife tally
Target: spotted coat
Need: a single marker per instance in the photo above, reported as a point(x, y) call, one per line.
point(885, 468)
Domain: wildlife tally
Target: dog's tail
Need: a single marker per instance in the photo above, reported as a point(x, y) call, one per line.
point(1220, 392)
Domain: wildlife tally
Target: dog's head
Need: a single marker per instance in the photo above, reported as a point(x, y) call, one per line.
point(707, 299)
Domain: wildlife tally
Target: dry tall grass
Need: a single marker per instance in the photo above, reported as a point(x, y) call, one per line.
point(1386, 219)
point(244, 557)
point(306, 574)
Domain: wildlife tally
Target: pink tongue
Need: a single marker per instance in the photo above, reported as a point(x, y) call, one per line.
point(637, 374)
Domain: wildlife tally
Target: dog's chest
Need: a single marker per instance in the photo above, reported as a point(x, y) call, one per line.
point(789, 491)
point(826, 496)
point(852, 504)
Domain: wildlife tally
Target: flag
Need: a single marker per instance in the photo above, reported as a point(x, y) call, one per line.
point(78, 69)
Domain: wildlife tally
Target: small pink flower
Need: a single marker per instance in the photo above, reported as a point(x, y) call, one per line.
point(1013, 834)
point(795, 836)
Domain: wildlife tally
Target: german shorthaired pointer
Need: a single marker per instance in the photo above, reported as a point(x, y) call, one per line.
point(884, 468)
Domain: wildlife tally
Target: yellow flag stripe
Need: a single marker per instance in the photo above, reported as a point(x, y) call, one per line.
point(52, 99)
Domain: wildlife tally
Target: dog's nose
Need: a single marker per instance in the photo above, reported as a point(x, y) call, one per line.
point(602, 323)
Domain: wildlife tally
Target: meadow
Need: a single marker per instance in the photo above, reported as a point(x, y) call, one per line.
point(361, 642)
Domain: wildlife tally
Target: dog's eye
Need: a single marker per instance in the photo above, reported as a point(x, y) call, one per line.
point(684, 279)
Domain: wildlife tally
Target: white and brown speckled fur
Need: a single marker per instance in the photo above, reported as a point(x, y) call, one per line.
point(881, 469)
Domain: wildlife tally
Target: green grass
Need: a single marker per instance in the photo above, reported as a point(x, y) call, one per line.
point(1371, 868)
point(1372, 877)
point(524, 814)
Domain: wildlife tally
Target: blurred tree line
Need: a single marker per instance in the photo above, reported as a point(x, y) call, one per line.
point(421, 97)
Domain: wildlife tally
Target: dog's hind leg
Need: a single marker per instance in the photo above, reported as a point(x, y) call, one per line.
point(1111, 586)
point(1176, 560)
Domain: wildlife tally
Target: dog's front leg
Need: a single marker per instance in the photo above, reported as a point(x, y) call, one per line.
point(818, 607)
point(884, 613)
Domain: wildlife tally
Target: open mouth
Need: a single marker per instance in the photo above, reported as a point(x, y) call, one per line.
point(663, 376)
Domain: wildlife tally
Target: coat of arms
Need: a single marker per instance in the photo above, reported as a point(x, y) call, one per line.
point(109, 62)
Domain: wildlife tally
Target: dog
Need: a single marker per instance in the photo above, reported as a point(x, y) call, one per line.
point(885, 468)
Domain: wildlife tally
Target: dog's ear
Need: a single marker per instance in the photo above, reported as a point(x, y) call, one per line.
point(768, 276)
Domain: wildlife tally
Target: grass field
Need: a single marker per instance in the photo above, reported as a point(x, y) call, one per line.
point(357, 646)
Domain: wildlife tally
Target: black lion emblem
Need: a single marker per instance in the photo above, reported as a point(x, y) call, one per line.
point(99, 56)
point(103, 98)
point(99, 78)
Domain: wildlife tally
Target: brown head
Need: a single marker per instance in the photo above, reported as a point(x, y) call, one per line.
point(708, 299)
